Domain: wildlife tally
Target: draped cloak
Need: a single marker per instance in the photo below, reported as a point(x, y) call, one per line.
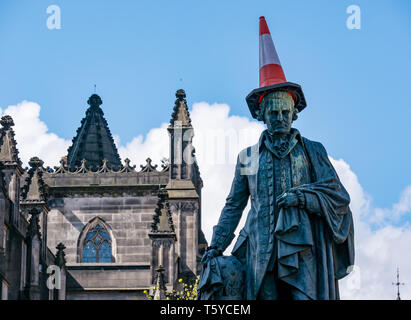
point(312, 251)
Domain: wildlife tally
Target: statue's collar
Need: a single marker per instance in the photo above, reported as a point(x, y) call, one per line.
point(280, 147)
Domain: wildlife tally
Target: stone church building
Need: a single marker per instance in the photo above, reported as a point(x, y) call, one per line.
point(96, 227)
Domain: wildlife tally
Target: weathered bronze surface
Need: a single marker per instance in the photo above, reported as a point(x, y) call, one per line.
point(298, 240)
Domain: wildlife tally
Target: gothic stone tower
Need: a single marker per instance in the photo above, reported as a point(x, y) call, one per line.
point(118, 223)
point(24, 256)
point(184, 188)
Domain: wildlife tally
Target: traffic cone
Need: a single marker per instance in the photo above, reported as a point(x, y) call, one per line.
point(271, 71)
point(272, 77)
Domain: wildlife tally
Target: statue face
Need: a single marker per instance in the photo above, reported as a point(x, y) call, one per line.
point(278, 113)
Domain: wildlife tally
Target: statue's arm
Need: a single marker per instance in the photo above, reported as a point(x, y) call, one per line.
point(324, 171)
point(223, 232)
point(312, 204)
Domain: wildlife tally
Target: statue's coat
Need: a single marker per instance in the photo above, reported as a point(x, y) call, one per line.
point(313, 251)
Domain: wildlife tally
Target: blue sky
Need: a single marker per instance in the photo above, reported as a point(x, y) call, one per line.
point(139, 53)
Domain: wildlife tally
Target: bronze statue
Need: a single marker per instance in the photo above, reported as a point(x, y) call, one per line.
point(298, 240)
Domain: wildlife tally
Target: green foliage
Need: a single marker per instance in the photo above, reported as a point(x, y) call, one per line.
point(186, 292)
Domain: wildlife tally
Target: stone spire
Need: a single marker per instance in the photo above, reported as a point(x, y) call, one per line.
point(33, 191)
point(10, 165)
point(33, 201)
point(8, 150)
point(180, 111)
point(93, 141)
point(182, 153)
point(185, 183)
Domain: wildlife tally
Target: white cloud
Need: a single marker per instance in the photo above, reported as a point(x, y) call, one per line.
point(378, 252)
point(155, 146)
point(398, 210)
point(381, 245)
point(32, 135)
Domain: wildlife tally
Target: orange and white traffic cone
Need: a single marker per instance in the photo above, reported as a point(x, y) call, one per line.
point(271, 71)
point(272, 77)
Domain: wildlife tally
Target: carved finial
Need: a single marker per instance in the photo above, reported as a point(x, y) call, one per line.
point(104, 167)
point(60, 247)
point(180, 94)
point(36, 162)
point(60, 255)
point(180, 116)
point(94, 100)
point(7, 121)
point(148, 167)
point(160, 286)
point(127, 167)
point(83, 167)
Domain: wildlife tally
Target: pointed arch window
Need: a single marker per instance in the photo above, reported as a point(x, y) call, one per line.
point(97, 246)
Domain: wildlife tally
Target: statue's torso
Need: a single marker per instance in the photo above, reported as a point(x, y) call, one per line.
point(289, 171)
point(269, 175)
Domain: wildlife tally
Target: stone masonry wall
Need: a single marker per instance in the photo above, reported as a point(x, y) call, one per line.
point(129, 218)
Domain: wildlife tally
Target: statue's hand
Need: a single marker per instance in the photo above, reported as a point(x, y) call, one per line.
point(209, 254)
point(287, 199)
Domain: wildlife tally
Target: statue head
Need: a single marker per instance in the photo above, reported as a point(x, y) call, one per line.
point(277, 110)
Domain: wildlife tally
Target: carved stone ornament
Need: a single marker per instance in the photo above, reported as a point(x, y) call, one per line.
point(162, 219)
point(148, 167)
point(60, 255)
